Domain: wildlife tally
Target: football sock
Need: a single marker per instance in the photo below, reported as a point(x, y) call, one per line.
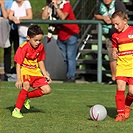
point(120, 102)
point(21, 98)
point(129, 99)
point(35, 93)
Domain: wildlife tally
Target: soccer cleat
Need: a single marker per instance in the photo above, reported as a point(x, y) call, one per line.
point(120, 117)
point(27, 104)
point(16, 113)
point(127, 111)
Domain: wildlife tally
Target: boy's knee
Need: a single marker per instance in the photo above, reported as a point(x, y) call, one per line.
point(46, 91)
point(26, 86)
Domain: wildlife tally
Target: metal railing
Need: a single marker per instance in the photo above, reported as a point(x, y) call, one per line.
point(96, 22)
point(84, 10)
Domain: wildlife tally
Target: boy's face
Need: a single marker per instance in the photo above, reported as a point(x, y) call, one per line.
point(119, 23)
point(35, 41)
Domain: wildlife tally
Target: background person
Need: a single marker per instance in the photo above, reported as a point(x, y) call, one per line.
point(104, 11)
point(30, 70)
point(67, 33)
point(122, 42)
point(21, 10)
point(6, 43)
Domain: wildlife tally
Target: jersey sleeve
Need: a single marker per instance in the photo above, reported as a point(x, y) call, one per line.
point(114, 41)
point(67, 8)
point(13, 6)
point(42, 54)
point(27, 5)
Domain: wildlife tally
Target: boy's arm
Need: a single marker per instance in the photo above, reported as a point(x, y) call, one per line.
point(18, 82)
point(43, 70)
point(115, 53)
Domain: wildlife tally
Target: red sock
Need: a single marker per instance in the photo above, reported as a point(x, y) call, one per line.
point(35, 93)
point(21, 98)
point(120, 102)
point(129, 99)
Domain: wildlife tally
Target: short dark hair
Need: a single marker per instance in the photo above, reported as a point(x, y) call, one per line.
point(120, 14)
point(34, 30)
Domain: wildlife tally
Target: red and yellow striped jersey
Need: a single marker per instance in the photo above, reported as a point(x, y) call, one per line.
point(123, 41)
point(28, 58)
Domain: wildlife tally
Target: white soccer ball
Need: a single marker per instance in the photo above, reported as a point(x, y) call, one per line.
point(98, 112)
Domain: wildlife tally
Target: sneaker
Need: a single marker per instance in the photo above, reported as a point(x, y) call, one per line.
point(16, 113)
point(120, 117)
point(27, 104)
point(69, 80)
point(127, 111)
point(111, 82)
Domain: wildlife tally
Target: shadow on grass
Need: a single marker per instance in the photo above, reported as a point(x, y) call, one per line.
point(111, 112)
point(24, 110)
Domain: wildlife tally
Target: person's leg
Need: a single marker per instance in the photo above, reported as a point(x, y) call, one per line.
point(7, 59)
point(62, 47)
point(120, 100)
point(71, 44)
point(42, 87)
point(20, 100)
point(7, 56)
point(40, 91)
point(14, 39)
point(35, 82)
point(129, 98)
point(21, 97)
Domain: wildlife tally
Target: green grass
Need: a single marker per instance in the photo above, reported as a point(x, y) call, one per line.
point(65, 110)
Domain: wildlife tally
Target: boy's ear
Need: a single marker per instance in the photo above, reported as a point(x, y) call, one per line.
point(125, 21)
point(28, 38)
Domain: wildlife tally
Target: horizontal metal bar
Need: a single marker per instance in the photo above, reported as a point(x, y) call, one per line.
point(40, 21)
point(61, 21)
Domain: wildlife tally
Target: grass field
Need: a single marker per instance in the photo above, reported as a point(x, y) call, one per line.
point(65, 110)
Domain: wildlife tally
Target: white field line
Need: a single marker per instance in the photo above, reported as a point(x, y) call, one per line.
point(72, 90)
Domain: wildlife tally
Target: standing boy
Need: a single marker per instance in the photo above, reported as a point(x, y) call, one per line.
point(122, 42)
point(104, 11)
point(30, 70)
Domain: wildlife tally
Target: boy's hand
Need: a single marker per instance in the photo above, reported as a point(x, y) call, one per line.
point(18, 84)
point(115, 53)
point(48, 79)
point(47, 76)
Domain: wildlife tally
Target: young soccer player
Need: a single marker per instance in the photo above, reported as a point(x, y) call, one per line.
point(30, 70)
point(122, 42)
